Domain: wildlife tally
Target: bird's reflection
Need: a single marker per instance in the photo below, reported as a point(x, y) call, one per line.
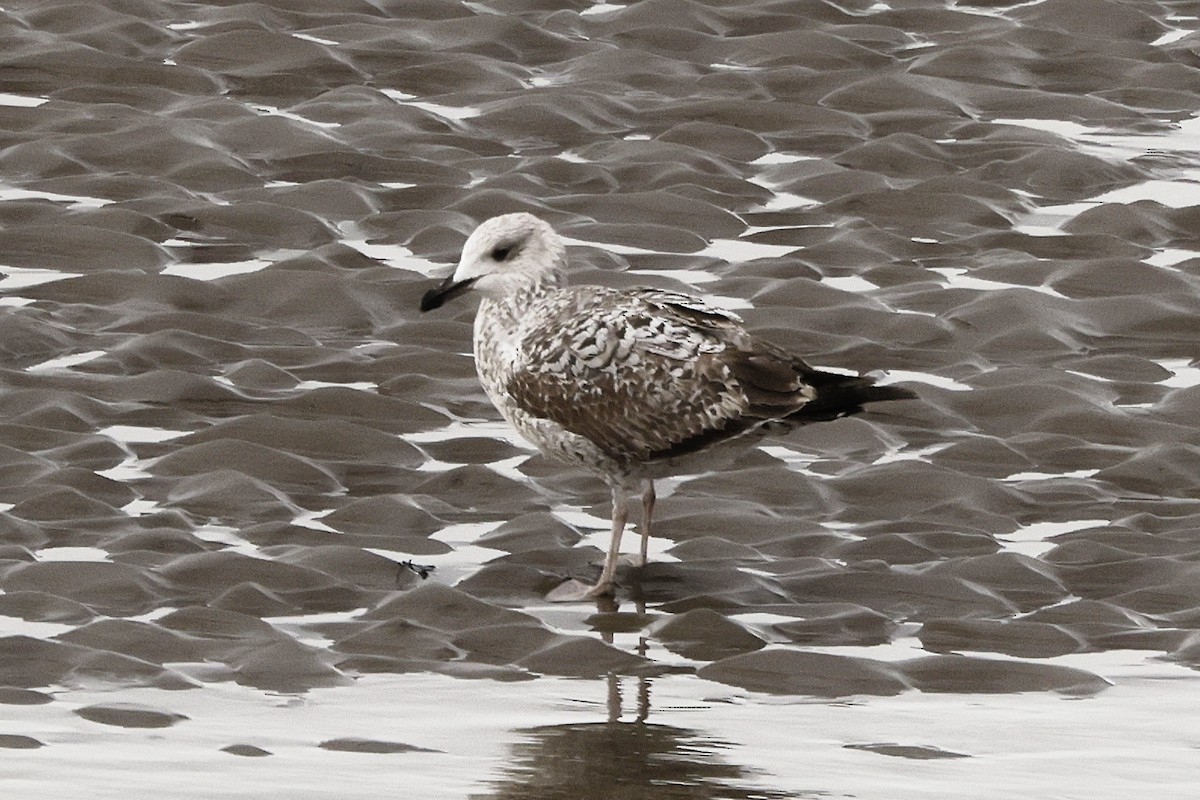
point(625, 756)
point(615, 760)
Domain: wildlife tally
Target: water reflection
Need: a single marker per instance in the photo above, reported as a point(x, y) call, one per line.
point(613, 760)
point(623, 756)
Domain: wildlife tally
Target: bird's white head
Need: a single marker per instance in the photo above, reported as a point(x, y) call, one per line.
point(504, 255)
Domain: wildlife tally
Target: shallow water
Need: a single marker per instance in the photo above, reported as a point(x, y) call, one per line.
point(226, 429)
point(677, 734)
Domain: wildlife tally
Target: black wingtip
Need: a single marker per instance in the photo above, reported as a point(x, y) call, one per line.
point(889, 392)
point(842, 395)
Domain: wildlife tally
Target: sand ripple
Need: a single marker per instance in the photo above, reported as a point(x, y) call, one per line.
point(224, 423)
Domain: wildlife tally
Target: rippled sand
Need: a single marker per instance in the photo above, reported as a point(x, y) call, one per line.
point(224, 424)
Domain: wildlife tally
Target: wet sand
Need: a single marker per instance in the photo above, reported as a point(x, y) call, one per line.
point(224, 424)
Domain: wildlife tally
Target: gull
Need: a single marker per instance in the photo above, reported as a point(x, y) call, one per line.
point(633, 384)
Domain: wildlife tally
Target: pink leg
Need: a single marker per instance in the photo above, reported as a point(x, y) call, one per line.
point(620, 513)
point(648, 498)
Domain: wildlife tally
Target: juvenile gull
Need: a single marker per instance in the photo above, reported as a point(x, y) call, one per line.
point(633, 384)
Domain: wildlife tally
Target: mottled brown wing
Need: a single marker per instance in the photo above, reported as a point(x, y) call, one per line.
point(646, 375)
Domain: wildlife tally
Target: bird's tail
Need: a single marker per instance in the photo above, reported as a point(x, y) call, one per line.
point(841, 395)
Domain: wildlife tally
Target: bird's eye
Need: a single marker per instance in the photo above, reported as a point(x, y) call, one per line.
point(502, 253)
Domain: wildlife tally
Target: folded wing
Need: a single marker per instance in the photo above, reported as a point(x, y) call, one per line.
point(649, 374)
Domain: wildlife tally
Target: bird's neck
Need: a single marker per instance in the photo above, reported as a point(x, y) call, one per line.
point(500, 325)
point(513, 306)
